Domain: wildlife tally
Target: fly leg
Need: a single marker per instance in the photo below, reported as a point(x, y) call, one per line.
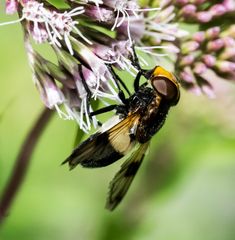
point(141, 72)
point(120, 109)
point(89, 94)
point(103, 110)
point(135, 60)
point(137, 81)
point(119, 82)
point(88, 91)
point(136, 63)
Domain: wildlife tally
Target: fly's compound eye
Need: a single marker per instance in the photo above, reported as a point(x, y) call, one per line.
point(166, 88)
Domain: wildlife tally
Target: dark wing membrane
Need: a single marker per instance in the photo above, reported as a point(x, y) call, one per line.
point(102, 149)
point(123, 179)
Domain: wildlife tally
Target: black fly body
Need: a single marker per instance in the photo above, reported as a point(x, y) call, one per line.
point(139, 118)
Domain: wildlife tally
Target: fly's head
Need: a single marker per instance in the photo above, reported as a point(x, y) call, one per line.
point(165, 84)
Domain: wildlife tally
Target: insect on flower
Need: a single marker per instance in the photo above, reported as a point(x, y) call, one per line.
point(136, 121)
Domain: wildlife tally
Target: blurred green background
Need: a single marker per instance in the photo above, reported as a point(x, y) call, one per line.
point(184, 189)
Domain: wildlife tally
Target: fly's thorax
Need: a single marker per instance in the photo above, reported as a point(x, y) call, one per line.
point(141, 99)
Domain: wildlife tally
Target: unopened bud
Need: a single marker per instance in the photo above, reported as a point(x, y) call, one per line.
point(209, 60)
point(217, 10)
point(199, 37)
point(229, 42)
point(189, 10)
point(187, 75)
point(228, 53)
point(215, 45)
point(225, 66)
point(187, 60)
point(229, 5)
point(213, 32)
point(190, 46)
point(204, 16)
point(208, 90)
point(230, 32)
point(196, 90)
point(200, 68)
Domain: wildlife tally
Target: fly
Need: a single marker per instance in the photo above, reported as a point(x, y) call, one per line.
point(139, 118)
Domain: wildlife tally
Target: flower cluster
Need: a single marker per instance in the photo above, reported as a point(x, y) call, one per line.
point(202, 11)
point(93, 38)
point(209, 45)
point(209, 50)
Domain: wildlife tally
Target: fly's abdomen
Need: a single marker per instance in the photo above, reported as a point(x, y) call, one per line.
point(151, 123)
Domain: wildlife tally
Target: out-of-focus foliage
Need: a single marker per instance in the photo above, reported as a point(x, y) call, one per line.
point(184, 190)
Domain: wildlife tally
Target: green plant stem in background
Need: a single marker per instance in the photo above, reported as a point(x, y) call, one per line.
point(22, 163)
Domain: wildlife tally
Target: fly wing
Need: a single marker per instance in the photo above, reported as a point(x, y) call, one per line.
point(104, 148)
point(123, 179)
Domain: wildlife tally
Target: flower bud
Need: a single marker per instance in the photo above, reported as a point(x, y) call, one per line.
point(225, 66)
point(195, 90)
point(228, 54)
point(215, 45)
point(50, 94)
point(229, 5)
point(204, 16)
point(190, 46)
point(199, 36)
point(230, 32)
point(209, 60)
point(188, 10)
point(200, 68)
point(208, 90)
point(187, 75)
point(217, 10)
point(187, 60)
point(213, 32)
point(229, 42)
